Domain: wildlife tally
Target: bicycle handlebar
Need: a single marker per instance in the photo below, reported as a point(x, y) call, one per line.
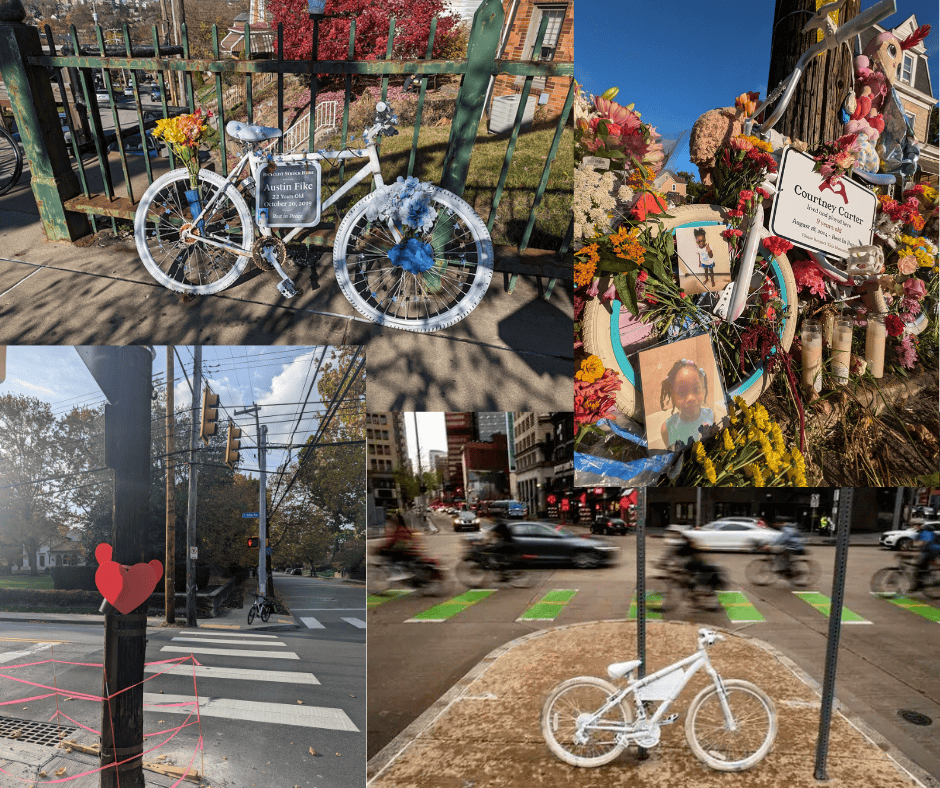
point(708, 637)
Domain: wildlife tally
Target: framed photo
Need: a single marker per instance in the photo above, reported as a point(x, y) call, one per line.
point(704, 262)
point(683, 396)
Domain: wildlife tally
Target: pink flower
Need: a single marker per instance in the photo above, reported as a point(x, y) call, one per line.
point(907, 353)
point(911, 306)
point(809, 277)
point(907, 265)
point(593, 290)
point(610, 293)
point(915, 288)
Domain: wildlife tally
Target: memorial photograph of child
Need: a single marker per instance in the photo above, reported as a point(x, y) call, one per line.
point(704, 262)
point(682, 395)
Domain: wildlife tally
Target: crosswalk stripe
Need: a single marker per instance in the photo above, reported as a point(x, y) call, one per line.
point(246, 674)
point(449, 609)
point(356, 622)
point(654, 601)
point(265, 713)
point(227, 642)
point(311, 622)
point(224, 634)
point(738, 607)
point(914, 606)
point(549, 607)
point(231, 652)
point(823, 604)
point(11, 656)
point(374, 600)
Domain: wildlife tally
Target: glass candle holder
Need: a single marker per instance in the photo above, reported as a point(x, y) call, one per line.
point(828, 326)
point(812, 354)
point(875, 336)
point(841, 350)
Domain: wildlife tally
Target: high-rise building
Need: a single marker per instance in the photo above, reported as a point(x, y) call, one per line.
point(461, 429)
point(486, 469)
point(535, 466)
point(385, 452)
point(489, 424)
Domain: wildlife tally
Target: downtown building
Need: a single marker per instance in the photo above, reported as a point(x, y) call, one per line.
point(385, 453)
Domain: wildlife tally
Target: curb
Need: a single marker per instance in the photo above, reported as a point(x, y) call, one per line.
point(391, 751)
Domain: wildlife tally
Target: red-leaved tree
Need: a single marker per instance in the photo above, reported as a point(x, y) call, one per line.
point(412, 28)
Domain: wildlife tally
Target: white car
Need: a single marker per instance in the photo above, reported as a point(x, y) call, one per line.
point(729, 534)
point(903, 539)
point(467, 520)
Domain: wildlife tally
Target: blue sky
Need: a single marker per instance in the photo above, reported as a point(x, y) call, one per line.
point(277, 378)
point(676, 59)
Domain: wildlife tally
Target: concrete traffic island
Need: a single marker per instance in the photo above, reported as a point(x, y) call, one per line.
point(485, 731)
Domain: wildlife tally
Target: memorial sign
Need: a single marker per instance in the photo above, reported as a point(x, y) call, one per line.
point(289, 196)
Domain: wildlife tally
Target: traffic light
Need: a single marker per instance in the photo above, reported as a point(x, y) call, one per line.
point(254, 541)
point(210, 415)
point(232, 444)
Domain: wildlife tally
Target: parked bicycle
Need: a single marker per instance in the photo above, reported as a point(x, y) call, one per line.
point(481, 566)
point(615, 335)
point(11, 161)
point(730, 725)
point(200, 241)
point(902, 579)
point(262, 607)
point(767, 569)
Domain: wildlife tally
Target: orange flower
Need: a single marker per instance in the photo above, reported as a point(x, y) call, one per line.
point(592, 369)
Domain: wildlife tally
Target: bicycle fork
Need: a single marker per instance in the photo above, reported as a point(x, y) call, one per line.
point(730, 722)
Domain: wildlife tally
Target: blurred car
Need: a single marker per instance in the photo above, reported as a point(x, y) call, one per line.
point(610, 525)
point(507, 508)
point(760, 522)
point(729, 534)
point(547, 543)
point(468, 520)
point(132, 146)
point(102, 96)
point(155, 94)
point(904, 539)
point(129, 91)
point(921, 513)
point(296, 570)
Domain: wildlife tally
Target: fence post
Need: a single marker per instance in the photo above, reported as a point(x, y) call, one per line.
point(471, 99)
point(34, 108)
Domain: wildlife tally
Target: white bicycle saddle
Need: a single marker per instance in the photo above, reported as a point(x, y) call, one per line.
point(247, 133)
point(620, 669)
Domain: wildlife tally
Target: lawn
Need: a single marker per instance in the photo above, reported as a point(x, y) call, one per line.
point(26, 581)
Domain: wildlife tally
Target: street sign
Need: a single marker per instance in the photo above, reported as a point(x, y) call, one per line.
point(194, 553)
point(249, 514)
point(267, 551)
point(814, 501)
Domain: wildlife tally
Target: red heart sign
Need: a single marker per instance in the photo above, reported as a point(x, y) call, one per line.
point(125, 587)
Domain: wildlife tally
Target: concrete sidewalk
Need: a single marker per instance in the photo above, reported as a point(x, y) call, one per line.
point(485, 731)
point(513, 352)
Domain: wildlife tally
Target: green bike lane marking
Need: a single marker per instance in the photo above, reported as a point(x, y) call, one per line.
point(822, 603)
point(374, 600)
point(914, 605)
point(654, 601)
point(738, 607)
point(549, 606)
point(449, 609)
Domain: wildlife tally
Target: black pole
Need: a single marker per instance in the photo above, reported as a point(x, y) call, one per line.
point(835, 629)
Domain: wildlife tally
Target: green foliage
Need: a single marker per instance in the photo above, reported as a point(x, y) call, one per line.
point(74, 578)
point(23, 580)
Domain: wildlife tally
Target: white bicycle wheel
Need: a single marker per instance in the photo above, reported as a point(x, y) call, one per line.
point(570, 728)
point(610, 332)
point(423, 302)
point(710, 737)
point(191, 266)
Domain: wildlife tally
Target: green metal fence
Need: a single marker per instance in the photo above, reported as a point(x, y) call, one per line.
point(68, 206)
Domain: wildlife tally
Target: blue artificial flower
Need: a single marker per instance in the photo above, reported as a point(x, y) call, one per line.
point(412, 255)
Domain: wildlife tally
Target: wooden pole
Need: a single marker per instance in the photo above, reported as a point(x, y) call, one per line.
point(813, 114)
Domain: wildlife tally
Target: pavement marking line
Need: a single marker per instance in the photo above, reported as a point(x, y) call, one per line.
point(738, 607)
point(654, 599)
point(247, 674)
point(224, 634)
point(21, 280)
point(314, 609)
point(822, 603)
point(914, 605)
point(449, 609)
point(30, 640)
point(549, 607)
point(311, 623)
point(356, 622)
point(222, 626)
point(374, 600)
point(231, 652)
point(10, 656)
point(236, 642)
point(255, 711)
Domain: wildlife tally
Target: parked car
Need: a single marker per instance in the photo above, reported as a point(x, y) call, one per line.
point(547, 543)
point(728, 534)
point(610, 525)
point(466, 519)
point(102, 96)
point(903, 539)
point(296, 570)
point(507, 508)
point(132, 146)
point(155, 94)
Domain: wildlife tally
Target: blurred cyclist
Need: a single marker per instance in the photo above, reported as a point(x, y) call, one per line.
point(929, 543)
point(401, 545)
point(786, 545)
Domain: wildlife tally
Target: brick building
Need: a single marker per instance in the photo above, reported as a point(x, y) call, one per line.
point(486, 469)
point(523, 18)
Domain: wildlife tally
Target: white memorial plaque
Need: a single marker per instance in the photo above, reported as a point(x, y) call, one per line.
point(828, 220)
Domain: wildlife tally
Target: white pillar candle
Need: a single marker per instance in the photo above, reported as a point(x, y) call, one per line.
point(875, 345)
point(841, 350)
point(812, 354)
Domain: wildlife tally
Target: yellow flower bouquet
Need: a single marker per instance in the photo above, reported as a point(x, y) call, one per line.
point(184, 134)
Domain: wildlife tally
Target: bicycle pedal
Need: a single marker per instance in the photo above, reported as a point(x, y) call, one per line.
point(287, 289)
point(669, 720)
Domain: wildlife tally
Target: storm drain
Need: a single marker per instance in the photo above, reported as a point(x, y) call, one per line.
point(914, 717)
point(31, 732)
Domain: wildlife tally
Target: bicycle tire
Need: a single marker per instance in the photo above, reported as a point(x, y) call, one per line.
point(601, 322)
point(265, 612)
point(251, 614)
point(885, 581)
point(520, 578)
point(471, 573)
point(709, 737)
point(390, 296)
point(11, 161)
point(761, 572)
point(570, 703)
point(805, 572)
point(192, 267)
point(377, 578)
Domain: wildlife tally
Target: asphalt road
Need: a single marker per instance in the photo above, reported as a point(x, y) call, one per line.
point(266, 697)
point(888, 660)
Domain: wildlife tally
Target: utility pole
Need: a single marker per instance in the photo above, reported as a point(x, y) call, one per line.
point(193, 486)
point(169, 579)
point(262, 433)
point(813, 113)
point(179, 19)
point(124, 375)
